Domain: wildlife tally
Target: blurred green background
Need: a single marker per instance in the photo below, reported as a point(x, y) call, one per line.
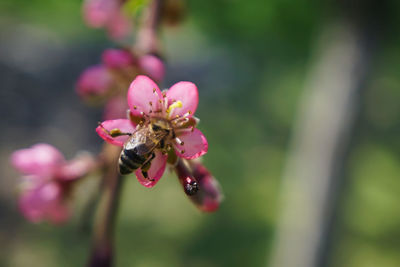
point(249, 60)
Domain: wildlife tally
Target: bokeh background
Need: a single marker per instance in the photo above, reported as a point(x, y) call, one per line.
point(249, 60)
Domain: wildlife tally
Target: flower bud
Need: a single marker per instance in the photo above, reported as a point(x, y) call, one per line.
point(93, 82)
point(117, 58)
point(152, 66)
point(209, 196)
point(189, 183)
point(190, 186)
point(108, 14)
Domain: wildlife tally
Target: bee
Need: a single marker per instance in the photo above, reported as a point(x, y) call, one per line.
point(139, 149)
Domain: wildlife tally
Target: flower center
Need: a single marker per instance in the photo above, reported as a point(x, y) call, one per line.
point(170, 109)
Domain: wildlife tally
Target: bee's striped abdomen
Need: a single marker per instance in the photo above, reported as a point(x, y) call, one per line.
point(130, 161)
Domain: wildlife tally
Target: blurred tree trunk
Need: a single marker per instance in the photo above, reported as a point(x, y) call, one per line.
point(324, 125)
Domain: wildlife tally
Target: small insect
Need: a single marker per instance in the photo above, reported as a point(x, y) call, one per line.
point(190, 186)
point(138, 150)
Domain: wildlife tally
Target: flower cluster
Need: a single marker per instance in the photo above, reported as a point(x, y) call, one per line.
point(47, 181)
point(125, 82)
point(159, 128)
point(107, 82)
point(176, 107)
point(107, 14)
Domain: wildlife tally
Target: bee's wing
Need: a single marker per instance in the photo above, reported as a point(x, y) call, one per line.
point(141, 141)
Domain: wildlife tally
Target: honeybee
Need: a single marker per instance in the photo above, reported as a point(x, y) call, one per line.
point(138, 150)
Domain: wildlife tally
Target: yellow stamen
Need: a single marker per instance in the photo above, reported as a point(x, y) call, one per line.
point(176, 104)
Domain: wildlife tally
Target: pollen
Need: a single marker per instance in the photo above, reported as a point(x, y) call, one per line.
point(176, 104)
point(134, 107)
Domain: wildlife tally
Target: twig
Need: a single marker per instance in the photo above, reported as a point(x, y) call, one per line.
point(147, 40)
point(103, 239)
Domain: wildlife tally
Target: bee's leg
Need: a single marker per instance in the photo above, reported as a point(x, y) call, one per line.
point(146, 166)
point(162, 144)
point(114, 132)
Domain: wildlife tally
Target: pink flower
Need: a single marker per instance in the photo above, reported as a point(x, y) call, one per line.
point(126, 62)
point(117, 58)
point(174, 108)
point(93, 82)
point(152, 66)
point(115, 108)
point(108, 14)
point(47, 178)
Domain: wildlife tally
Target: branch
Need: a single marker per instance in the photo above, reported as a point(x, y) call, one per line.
point(103, 240)
point(148, 41)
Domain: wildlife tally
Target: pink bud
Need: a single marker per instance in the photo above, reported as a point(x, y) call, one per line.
point(199, 185)
point(119, 26)
point(108, 14)
point(117, 58)
point(97, 13)
point(94, 81)
point(152, 66)
point(209, 196)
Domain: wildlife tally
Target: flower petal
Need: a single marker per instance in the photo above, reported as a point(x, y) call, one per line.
point(142, 92)
point(37, 202)
point(155, 172)
point(124, 125)
point(187, 93)
point(76, 168)
point(209, 195)
point(94, 81)
point(117, 58)
point(97, 13)
point(119, 26)
point(41, 159)
point(195, 144)
point(115, 108)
